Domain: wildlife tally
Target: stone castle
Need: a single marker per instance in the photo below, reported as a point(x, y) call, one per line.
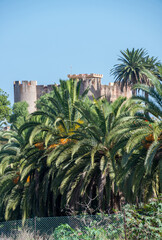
point(29, 91)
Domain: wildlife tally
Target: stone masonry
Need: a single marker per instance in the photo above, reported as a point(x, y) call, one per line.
point(29, 91)
point(111, 92)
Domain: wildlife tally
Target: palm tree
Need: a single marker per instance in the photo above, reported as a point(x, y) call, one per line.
point(133, 67)
point(48, 128)
point(10, 187)
point(159, 75)
point(83, 167)
point(153, 162)
point(142, 138)
point(19, 177)
point(57, 109)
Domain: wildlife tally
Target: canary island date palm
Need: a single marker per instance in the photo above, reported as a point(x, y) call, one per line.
point(142, 135)
point(48, 128)
point(57, 110)
point(10, 189)
point(133, 67)
point(153, 159)
point(83, 167)
point(159, 74)
point(15, 186)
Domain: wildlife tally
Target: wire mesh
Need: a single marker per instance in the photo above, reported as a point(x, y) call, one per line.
point(44, 227)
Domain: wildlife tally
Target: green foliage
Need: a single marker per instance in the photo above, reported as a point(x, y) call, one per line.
point(140, 223)
point(137, 139)
point(78, 155)
point(19, 113)
point(5, 109)
point(144, 222)
point(133, 67)
point(65, 232)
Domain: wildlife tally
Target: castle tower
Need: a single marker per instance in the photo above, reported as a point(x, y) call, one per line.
point(26, 91)
point(91, 81)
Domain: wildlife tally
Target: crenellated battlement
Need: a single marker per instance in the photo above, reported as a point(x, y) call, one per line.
point(84, 76)
point(26, 83)
point(30, 92)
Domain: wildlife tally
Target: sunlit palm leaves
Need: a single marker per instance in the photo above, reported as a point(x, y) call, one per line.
point(74, 153)
point(10, 157)
point(49, 129)
point(133, 67)
point(141, 152)
point(84, 168)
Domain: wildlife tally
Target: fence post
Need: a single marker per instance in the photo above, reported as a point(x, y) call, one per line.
point(125, 226)
point(35, 227)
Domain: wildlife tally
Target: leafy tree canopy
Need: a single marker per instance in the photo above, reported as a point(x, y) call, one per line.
point(5, 109)
point(19, 113)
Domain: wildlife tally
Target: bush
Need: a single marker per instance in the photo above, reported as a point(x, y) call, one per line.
point(144, 222)
point(65, 232)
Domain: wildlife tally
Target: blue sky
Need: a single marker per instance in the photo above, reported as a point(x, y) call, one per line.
point(45, 40)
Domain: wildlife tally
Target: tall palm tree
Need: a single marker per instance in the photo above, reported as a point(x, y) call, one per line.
point(48, 128)
point(10, 187)
point(57, 110)
point(153, 159)
point(83, 167)
point(19, 181)
point(142, 137)
point(133, 67)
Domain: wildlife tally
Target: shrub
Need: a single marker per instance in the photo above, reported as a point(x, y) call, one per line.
point(144, 222)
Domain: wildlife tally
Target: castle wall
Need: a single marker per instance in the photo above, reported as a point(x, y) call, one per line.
point(42, 89)
point(26, 92)
point(94, 85)
point(112, 91)
point(31, 92)
point(91, 81)
point(105, 92)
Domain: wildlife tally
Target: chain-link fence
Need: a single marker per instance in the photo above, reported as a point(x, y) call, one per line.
point(44, 228)
point(128, 225)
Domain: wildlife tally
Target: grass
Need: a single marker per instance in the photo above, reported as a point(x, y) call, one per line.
point(26, 235)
